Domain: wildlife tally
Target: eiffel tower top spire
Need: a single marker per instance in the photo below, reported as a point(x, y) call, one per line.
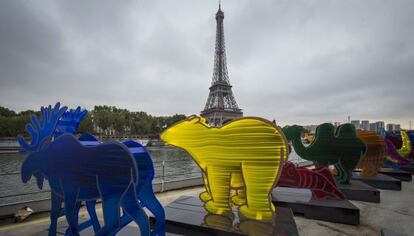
point(221, 105)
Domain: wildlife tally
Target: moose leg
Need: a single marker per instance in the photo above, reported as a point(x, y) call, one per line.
point(135, 211)
point(147, 197)
point(93, 221)
point(71, 197)
point(90, 205)
point(219, 182)
point(110, 207)
point(54, 213)
point(76, 218)
point(259, 179)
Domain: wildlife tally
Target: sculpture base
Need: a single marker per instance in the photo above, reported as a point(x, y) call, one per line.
point(387, 232)
point(301, 202)
point(379, 181)
point(62, 226)
point(187, 216)
point(398, 174)
point(360, 191)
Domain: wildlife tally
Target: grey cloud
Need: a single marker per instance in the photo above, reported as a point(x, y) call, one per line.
point(296, 61)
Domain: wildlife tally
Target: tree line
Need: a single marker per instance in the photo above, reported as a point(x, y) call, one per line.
point(102, 120)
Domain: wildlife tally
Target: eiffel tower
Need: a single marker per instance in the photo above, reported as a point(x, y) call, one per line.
point(221, 106)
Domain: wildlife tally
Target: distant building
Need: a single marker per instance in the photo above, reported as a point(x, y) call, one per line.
point(365, 125)
point(393, 127)
point(397, 127)
point(379, 126)
point(372, 127)
point(356, 123)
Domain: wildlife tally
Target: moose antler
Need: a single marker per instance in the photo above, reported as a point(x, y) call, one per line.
point(41, 131)
point(70, 121)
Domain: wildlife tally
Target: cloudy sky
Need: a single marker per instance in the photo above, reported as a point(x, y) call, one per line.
point(294, 61)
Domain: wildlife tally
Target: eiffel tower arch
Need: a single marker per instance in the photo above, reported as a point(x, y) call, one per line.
point(221, 106)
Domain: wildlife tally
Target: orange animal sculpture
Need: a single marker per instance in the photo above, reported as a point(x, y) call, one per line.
point(375, 155)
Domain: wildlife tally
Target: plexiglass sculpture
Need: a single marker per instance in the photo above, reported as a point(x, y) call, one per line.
point(245, 154)
point(405, 149)
point(320, 181)
point(78, 172)
point(394, 159)
point(374, 157)
point(340, 147)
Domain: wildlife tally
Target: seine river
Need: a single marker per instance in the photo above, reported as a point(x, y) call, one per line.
point(178, 165)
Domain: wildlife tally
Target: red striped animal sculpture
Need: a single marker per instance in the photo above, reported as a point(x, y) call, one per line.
point(320, 181)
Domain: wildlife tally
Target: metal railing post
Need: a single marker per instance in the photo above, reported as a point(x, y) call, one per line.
point(163, 176)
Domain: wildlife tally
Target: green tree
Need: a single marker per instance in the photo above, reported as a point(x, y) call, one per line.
point(86, 125)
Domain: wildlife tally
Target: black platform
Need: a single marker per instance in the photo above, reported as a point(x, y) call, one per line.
point(302, 203)
point(187, 216)
point(379, 181)
point(360, 191)
point(398, 174)
point(387, 232)
point(130, 230)
point(409, 168)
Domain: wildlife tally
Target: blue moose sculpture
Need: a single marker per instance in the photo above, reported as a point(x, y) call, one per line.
point(78, 172)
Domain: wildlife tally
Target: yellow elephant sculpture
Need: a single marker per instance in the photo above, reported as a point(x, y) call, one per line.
point(246, 153)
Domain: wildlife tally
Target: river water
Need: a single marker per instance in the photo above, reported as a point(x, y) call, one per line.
point(178, 165)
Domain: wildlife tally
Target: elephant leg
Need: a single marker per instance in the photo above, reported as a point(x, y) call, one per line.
point(134, 210)
point(71, 197)
point(259, 179)
point(205, 196)
point(147, 197)
point(54, 213)
point(219, 182)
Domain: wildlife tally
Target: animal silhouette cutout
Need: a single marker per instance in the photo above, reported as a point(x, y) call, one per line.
point(247, 151)
point(405, 149)
point(75, 172)
point(341, 148)
point(374, 157)
point(320, 181)
point(394, 159)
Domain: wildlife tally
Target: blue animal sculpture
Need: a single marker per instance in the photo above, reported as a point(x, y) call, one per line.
point(77, 173)
point(144, 189)
point(69, 123)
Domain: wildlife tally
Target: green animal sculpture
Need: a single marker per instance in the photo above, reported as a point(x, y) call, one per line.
point(341, 148)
